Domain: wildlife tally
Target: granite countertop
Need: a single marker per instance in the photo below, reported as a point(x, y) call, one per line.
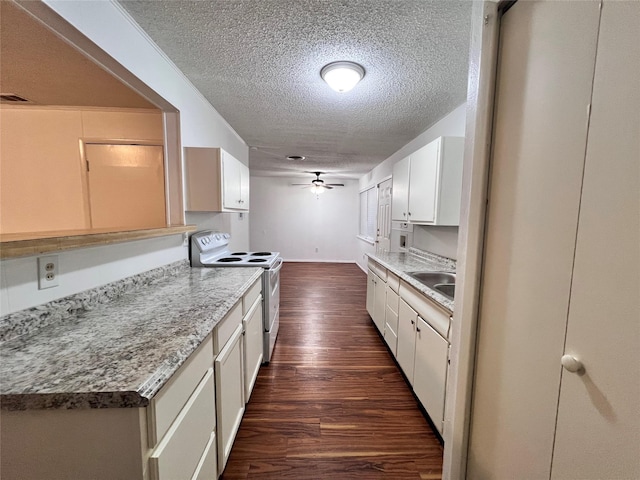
point(121, 351)
point(418, 261)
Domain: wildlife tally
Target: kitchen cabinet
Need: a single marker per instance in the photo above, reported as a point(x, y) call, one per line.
point(215, 181)
point(427, 185)
point(376, 294)
point(400, 190)
point(252, 331)
point(186, 431)
point(391, 320)
point(422, 348)
point(407, 318)
point(430, 371)
point(230, 399)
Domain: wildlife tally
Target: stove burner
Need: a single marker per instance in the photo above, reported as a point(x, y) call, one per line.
point(261, 254)
point(230, 259)
point(239, 253)
point(256, 260)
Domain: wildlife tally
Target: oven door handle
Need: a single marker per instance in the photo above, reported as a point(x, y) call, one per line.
point(277, 266)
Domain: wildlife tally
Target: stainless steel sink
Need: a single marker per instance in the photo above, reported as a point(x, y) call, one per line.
point(442, 282)
point(447, 289)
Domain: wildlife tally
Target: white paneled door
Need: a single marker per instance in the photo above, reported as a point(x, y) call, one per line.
point(561, 273)
point(598, 428)
point(383, 235)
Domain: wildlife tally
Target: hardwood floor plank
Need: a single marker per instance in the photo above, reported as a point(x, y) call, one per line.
point(332, 403)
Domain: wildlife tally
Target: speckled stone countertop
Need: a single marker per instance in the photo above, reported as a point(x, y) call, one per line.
point(119, 353)
point(418, 261)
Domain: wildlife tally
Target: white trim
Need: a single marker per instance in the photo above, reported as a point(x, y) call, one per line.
point(480, 101)
point(368, 240)
point(164, 56)
point(362, 190)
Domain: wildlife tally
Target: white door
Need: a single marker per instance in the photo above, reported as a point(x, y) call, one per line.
point(126, 186)
point(598, 428)
point(383, 235)
point(544, 78)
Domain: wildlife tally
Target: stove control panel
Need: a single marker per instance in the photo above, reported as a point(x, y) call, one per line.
point(210, 240)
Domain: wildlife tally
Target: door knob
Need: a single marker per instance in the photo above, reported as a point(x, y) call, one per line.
point(571, 363)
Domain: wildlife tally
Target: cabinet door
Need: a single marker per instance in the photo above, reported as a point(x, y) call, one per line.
point(400, 190)
point(407, 318)
point(423, 183)
point(231, 196)
point(252, 346)
point(371, 292)
point(430, 371)
point(244, 187)
point(126, 186)
point(391, 320)
point(380, 303)
point(229, 395)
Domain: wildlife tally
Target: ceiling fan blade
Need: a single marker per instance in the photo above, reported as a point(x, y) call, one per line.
point(335, 184)
point(328, 187)
point(306, 184)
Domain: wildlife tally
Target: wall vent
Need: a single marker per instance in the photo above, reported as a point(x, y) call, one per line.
point(13, 98)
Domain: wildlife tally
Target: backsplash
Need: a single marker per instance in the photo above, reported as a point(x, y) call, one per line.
point(31, 319)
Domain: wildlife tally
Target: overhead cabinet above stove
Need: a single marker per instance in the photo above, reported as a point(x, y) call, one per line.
point(427, 184)
point(215, 181)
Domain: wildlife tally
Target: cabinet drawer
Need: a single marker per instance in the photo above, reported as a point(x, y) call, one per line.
point(436, 317)
point(168, 402)
point(393, 281)
point(378, 270)
point(208, 467)
point(251, 296)
point(223, 331)
point(179, 452)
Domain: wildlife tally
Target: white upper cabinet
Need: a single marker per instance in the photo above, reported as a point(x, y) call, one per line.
point(427, 185)
point(215, 181)
point(400, 191)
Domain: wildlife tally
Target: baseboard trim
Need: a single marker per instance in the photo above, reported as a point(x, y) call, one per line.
point(294, 260)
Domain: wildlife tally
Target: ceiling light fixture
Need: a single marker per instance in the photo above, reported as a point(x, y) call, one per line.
point(295, 158)
point(317, 189)
point(342, 76)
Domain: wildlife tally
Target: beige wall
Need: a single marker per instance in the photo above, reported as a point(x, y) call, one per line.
point(42, 184)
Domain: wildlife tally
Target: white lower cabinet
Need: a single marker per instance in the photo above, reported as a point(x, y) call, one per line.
point(407, 318)
point(179, 453)
point(430, 371)
point(391, 320)
point(253, 351)
point(230, 403)
point(207, 469)
point(423, 350)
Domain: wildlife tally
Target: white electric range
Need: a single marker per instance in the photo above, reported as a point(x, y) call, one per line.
point(211, 249)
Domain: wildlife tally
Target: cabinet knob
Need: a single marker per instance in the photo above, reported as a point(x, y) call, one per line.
point(571, 363)
point(412, 322)
point(409, 213)
point(417, 329)
point(404, 214)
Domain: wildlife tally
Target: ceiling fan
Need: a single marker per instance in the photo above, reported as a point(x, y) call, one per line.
point(317, 185)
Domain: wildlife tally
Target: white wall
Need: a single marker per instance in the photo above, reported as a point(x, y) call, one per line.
point(295, 222)
point(107, 25)
point(440, 240)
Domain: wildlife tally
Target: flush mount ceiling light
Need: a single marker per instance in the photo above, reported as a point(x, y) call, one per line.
point(342, 76)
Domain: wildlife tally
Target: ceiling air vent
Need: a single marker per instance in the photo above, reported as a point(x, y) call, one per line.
point(13, 98)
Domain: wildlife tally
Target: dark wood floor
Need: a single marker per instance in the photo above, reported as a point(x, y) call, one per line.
point(332, 403)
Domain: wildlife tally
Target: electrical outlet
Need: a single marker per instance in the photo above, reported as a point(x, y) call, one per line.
point(48, 272)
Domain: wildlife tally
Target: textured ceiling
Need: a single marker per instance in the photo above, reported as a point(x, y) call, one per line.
point(258, 62)
point(39, 66)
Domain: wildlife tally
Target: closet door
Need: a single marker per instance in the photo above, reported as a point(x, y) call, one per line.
point(545, 72)
point(598, 430)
